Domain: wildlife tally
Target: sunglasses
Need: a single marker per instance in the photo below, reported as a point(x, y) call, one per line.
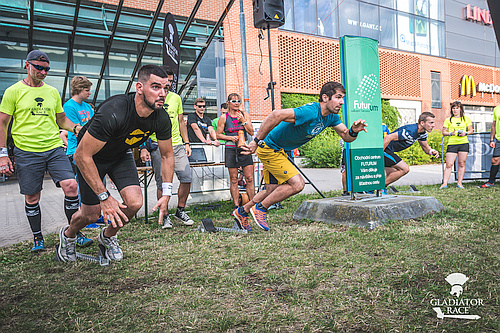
point(38, 67)
point(235, 101)
point(201, 106)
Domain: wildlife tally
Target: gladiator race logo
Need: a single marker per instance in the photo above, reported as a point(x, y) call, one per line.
point(39, 101)
point(39, 110)
point(457, 307)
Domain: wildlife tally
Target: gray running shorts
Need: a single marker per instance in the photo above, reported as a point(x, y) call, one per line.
point(31, 168)
point(182, 168)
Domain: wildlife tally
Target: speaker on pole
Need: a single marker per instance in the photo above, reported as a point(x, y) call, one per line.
point(268, 14)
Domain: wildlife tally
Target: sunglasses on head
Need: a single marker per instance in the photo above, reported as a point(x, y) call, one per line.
point(38, 67)
point(235, 101)
point(201, 106)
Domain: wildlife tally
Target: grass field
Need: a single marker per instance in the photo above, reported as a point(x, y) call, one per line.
point(299, 276)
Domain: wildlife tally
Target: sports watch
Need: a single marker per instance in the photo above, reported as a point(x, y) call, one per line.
point(258, 141)
point(103, 196)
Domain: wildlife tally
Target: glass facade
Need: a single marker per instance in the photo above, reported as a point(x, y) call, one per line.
point(52, 28)
point(407, 25)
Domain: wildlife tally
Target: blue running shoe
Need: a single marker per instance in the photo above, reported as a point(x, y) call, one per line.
point(383, 191)
point(38, 245)
point(100, 221)
point(82, 240)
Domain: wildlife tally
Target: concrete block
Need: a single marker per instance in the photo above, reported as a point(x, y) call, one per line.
point(367, 210)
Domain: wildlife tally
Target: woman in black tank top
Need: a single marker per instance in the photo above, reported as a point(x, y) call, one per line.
point(228, 127)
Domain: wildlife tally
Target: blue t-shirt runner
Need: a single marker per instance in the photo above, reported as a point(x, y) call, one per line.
point(309, 122)
point(284, 130)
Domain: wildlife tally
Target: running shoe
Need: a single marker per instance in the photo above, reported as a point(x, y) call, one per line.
point(180, 214)
point(38, 245)
point(259, 216)
point(486, 185)
point(242, 219)
point(383, 191)
point(113, 251)
point(460, 187)
point(82, 240)
point(66, 250)
point(100, 221)
point(443, 187)
point(167, 224)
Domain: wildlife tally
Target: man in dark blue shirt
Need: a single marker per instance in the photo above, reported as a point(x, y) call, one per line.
point(403, 138)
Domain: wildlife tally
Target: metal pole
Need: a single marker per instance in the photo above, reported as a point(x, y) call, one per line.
point(244, 68)
point(272, 83)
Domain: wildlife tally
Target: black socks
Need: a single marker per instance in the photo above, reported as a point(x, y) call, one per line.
point(71, 205)
point(35, 219)
point(493, 173)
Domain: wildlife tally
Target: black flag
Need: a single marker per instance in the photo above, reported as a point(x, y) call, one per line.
point(495, 16)
point(171, 48)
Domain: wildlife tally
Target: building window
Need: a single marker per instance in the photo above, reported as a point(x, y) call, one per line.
point(408, 25)
point(436, 90)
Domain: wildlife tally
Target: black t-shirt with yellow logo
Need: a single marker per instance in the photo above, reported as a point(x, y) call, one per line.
point(117, 123)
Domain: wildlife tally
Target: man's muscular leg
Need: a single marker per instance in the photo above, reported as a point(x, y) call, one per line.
point(395, 172)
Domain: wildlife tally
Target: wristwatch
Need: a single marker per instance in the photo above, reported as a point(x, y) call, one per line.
point(258, 141)
point(103, 196)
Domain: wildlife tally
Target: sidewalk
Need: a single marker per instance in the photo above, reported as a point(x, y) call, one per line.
point(14, 225)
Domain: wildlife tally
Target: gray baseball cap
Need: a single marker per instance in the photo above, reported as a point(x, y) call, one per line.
point(37, 55)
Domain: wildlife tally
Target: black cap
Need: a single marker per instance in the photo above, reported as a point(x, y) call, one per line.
point(37, 55)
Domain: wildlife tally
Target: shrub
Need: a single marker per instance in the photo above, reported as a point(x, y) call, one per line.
point(323, 151)
point(390, 115)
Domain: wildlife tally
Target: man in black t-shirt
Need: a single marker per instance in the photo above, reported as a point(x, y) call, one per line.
point(120, 123)
point(200, 125)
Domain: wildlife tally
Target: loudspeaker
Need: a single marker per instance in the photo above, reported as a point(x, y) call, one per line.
point(268, 13)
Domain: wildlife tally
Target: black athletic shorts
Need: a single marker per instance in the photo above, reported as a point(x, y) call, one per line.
point(390, 158)
point(235, 160)
point(456, 148)
point(121, 170)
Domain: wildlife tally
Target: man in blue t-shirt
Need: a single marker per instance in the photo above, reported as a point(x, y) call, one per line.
point(77, 110)
point(403, 138)
point(284, 130)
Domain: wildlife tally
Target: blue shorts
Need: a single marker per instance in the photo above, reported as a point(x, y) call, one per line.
point(31, 168)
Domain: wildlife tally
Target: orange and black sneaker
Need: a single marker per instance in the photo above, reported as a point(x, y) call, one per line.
point(260, 217)
point(486, 185)
point(242, 219)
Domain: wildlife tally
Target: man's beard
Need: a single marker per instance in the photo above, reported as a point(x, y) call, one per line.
point(152, 105)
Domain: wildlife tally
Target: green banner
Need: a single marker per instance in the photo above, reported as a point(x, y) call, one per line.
point(361, 79)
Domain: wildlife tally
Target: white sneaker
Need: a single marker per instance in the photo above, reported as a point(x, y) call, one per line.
point(66, 250)
point(181, 215)
point(167, 224)
point(113, 251)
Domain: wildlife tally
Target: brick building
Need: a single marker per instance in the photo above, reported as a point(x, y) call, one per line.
point(428, 49)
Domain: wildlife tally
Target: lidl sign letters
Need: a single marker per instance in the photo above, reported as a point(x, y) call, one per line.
point(477, 14)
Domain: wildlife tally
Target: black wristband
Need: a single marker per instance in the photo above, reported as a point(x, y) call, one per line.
point(74, 129)
point(352, 133)
point(256, 140)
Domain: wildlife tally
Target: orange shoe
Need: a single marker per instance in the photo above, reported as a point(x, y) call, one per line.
point(242, 219)
point(260, 217)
